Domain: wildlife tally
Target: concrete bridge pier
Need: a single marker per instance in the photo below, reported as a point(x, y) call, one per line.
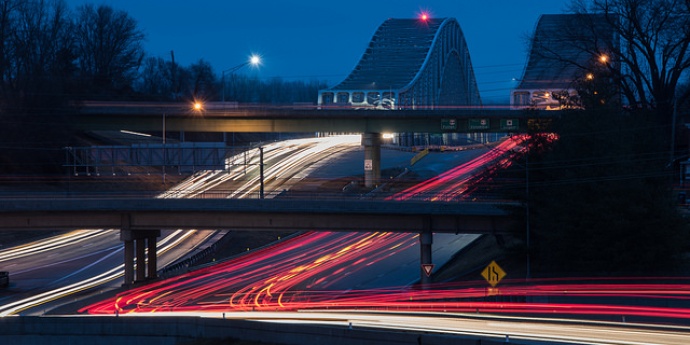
point(426, 238)
point(141, 240)
point(372, 159)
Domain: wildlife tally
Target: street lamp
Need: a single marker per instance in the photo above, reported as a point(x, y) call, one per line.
point(603, 58)
point(254, 60)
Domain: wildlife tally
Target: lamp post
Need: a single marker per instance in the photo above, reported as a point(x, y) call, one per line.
point(527, 230)
point(196, 106)
point(254, 60)
point(163, 149)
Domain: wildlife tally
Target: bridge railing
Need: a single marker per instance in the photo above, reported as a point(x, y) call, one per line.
point(235, 194)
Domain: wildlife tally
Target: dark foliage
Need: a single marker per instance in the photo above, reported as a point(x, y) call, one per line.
point(600, 199)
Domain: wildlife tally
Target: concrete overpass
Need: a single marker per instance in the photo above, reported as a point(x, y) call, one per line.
point(222, 117)
point(140, 220)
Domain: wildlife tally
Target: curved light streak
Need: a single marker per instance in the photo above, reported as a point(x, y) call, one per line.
point(267, 280)
point(191, 187)
point(290, 275)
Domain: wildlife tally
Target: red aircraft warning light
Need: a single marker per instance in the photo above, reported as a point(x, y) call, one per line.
point(424, 16)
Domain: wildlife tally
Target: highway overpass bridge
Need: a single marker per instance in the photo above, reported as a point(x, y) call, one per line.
point(167, 117)
point(220, 117)
point(140, 220)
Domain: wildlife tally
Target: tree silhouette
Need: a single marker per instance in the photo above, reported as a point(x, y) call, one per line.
point(600, 200)
point(109, 49)
point(648, 54)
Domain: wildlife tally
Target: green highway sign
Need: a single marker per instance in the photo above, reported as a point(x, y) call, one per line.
point(478, 124)
point(510, 124)
point(449, 124)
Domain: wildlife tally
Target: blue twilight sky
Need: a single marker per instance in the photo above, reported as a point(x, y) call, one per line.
point(324, 39)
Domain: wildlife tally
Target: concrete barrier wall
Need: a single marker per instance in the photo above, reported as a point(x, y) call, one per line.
point(176, 330)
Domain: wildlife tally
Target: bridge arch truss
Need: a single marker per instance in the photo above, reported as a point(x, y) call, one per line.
point(410, 64)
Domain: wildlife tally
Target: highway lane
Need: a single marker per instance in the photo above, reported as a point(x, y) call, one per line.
point(394, 266)
point(285, 275)
point(39, 280)
point(372, 270)
point(269, 293)
point(41, 265)
point(454, 183)
point(56, 266)
point(288, 273)
point(518, 330)
point(285, 164)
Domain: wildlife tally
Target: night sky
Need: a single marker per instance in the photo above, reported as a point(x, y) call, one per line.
point(317, 39)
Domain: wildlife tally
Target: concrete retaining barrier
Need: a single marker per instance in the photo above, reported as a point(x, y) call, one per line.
point(77, 330)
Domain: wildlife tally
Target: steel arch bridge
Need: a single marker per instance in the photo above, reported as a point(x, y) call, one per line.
point(410, 64)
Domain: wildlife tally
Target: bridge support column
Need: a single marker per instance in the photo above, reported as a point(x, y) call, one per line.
point(425, 240)
point(372, 158)
point(139, 238)
point(129, 261)
point(152, 241)
point(139, 243)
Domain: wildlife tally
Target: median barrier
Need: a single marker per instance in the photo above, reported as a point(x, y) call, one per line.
point(173, 330)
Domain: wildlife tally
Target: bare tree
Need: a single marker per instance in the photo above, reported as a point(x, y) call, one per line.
point(35, 55)
point(7, 22)
point(109, 47)
point(204, 84)
point(155, 79)
point(650, 53)
point(36, 68)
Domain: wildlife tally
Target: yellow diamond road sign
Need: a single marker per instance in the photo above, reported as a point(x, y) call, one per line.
point(493, 273)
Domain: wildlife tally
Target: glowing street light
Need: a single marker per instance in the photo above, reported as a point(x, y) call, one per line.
point(603, 58)
point(254, 60)
point(197, 106)
point(589, 76)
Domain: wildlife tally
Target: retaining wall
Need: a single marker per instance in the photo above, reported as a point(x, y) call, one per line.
point(75, 330)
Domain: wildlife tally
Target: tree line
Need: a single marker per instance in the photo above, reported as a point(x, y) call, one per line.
point(163, 80)
point(601, 199)
point(641, 45)
point(52, 55)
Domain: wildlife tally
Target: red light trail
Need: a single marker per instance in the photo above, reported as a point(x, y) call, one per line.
point(302, 273)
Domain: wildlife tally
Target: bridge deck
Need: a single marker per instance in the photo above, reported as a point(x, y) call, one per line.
point(290, 120)
point(255, 215)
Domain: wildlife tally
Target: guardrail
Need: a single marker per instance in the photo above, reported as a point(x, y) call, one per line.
point(234, 194)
